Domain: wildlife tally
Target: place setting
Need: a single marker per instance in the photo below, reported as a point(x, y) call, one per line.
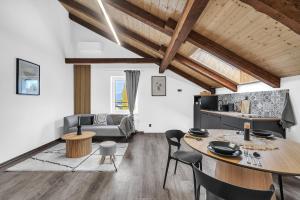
point(223, 148)
point(245, 145)
point(197, 134)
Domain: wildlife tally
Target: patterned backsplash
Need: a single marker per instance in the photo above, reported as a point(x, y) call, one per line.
point(266, 103)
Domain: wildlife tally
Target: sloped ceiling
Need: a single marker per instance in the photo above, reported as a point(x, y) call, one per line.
point(230, 23)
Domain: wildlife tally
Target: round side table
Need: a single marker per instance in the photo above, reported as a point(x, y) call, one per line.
point(78, 145)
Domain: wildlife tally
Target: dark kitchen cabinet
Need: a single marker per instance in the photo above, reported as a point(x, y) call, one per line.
point(211, 120)
point(234, 123)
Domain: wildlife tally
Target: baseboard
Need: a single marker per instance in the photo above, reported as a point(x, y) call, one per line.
point(27, 154)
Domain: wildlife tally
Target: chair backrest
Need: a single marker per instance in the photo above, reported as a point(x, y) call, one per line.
point(174, 134)
point(227, 191)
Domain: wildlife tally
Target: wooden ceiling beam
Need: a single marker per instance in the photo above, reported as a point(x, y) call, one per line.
point(139, 52)
point(140, 14)
point(106, 35)
point(98, 17)
point(231, 58)
point(189, 16)
point(198, 68)
point(198, 40)
point(110, 60)
point(192, 79)
point(286, 12)
point(202, 69)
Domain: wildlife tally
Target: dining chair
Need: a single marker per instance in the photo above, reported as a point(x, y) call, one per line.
point(225, 191)
point(186, 157)
point(280, 186)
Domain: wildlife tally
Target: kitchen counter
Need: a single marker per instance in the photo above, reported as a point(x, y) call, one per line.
point(241, 115)
point(206, 119)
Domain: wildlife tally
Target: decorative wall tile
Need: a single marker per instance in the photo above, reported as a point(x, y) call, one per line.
point(266, 103)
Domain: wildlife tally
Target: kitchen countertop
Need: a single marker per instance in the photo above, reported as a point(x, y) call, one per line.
point(242, 116)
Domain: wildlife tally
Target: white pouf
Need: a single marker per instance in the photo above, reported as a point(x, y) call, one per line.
point(108, 148)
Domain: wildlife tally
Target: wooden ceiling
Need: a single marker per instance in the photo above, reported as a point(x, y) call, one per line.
point(238, 43)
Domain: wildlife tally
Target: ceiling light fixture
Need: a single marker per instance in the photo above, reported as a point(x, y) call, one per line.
point(108, 21)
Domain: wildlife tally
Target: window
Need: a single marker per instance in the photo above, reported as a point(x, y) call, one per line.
point(119, 100)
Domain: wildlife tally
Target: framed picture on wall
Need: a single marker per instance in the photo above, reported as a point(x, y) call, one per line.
point(28, 78)
point(158, 86)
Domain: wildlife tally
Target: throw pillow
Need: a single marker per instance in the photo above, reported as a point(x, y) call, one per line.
point(86, 120)
point(100, 119)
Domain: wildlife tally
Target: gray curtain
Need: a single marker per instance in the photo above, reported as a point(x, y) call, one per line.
point(132, 82)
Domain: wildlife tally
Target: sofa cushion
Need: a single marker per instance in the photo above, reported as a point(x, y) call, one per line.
point(100, 119)
point(103, 130)
point(114, 119)
point(70, 121)
point(86, 120)
point(109, 120)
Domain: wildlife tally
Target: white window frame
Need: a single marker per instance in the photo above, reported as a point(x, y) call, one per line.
point(112, 97)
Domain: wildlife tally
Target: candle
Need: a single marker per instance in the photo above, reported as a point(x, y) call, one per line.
point(247, 131)
point(246, 125)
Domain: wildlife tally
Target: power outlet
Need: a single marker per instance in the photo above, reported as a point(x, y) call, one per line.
point(150, 125)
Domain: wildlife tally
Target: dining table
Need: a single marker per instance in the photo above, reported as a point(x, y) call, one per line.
point(283, 158)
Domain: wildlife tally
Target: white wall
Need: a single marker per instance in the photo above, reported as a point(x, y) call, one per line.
point(175, 111)
point(291, 83)
point(37, 31)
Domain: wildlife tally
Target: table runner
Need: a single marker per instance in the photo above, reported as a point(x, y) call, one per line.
point(255, 143)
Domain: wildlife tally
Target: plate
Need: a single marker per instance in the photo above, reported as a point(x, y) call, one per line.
point(224, 147)
point(198, 132)
point(262, 133)
point(237, 153)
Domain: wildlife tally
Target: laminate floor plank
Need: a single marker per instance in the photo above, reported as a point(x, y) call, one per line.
point(140, 177)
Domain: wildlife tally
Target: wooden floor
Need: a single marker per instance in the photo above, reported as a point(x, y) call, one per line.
point(140, 177)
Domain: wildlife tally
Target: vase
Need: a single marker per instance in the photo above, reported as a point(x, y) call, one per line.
point(78, 130)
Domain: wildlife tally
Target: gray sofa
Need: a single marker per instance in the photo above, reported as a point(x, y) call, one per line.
point(112, 128)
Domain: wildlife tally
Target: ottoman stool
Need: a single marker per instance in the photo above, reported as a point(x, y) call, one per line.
point(108, 148)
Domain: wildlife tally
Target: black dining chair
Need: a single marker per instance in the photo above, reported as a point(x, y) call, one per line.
point(186, 157)
point(280, 186)
point(225, 191)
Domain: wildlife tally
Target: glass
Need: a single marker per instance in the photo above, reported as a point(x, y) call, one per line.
point(121, 100)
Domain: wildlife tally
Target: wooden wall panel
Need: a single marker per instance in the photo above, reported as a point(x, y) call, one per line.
point(82, 89)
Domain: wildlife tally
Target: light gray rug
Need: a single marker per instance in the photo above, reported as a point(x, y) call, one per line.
point(54, 159)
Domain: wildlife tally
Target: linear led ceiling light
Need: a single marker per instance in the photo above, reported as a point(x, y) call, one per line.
point(109, 22)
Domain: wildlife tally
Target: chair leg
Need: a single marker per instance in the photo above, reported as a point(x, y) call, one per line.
point(166, 172)
point(113, 161)
point(195, 188)
point(198, 194)
point(280, 186)
point(175, 167)
point(102, 160)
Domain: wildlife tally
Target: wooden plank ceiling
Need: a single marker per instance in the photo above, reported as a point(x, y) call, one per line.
point(249, 41)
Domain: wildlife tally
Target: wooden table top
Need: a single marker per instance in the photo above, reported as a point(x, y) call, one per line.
point(285, 160)
point(74, 136)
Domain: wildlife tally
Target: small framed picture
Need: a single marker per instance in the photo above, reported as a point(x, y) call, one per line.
point(158, 86)
point(28, 78)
